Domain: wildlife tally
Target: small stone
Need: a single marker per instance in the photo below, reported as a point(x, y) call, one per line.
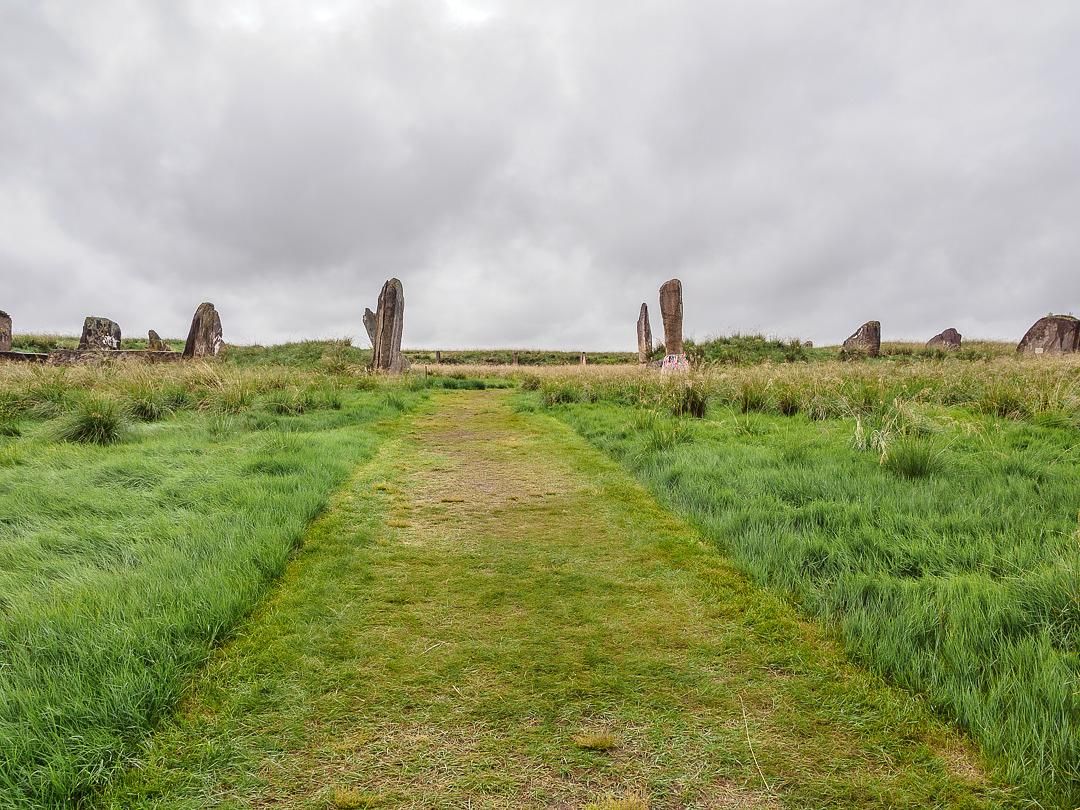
point(369, 325)
point(644, 335)
point(204, 338)
point(949, 339)
point(154, 342)
point(99, 334)
point(5, 332)
point(389, 320)
point(1054, 334)
point(866, 342)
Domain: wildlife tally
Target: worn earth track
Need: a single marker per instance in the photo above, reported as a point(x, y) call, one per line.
point(487, 603)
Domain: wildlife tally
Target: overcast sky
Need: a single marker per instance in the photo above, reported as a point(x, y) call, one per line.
point(533, 171)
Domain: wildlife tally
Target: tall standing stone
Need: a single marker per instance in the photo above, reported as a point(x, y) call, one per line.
point(644, 335)
point(5, 332)
point(584, 359)
point(671, 310)
point(389, 319)
point(154, 342)
point(949, 339)
point(865, 342)
point(369, 325)
point(1054, 334)
point(204, 338)
point(99, 333)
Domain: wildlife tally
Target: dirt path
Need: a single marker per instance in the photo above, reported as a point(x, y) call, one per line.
point(493, 615)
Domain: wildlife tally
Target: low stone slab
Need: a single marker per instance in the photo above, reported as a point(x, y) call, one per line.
point(23, 357)
point(71, 357)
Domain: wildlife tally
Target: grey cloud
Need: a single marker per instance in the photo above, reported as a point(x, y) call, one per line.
point(532, 172)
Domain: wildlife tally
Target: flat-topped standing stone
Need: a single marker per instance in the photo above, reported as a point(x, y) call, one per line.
point(99, 333)
point(389, 320)
point(5, 332)
point(949, 339)
point(1054, 334)
point(204, 338)
point(154, 342)
point(671, 310)
point(866, 341)
point(369, 325)
point(644, 335)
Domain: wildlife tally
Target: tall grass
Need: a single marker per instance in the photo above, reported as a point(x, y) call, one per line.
point(930, 516)
point(121, 564)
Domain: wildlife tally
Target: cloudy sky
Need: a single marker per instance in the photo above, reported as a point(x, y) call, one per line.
point(533, 171)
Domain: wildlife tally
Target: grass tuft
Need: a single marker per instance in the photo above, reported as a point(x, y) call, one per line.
point(912, 457)
point(95, 420)
point(596, 741)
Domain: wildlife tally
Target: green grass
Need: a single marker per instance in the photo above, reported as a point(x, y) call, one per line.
point(127, 554)
point(943, 547)
point(492, 614)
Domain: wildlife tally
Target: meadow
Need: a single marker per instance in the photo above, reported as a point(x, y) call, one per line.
point(144, 511)
point(922, 508)
point(926, 511)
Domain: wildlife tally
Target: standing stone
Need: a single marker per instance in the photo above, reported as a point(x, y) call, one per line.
point(1054, 334)
point(514, 359)
point(5, 332)
point(949, 339)
point(204, 338)
point(644, 335)
point(99, 333)
point(154, 342)
point(369, 325)
point(389, 319)
point(866, 342)
point(584, 359)
point(438, 354)
point(671, 310)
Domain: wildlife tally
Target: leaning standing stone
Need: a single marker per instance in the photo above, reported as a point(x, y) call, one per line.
point(389, 320)
point(99, 333)
point(644, 335)
point(866, 342)
point(204, 338)
point(154, 342)
point(5, 332)
point(1054, 334)
point(369, 325)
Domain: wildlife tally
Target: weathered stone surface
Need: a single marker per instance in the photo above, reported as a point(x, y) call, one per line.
point(865, 342)
point(204, 338)
point(644, 335)
point(154, 342)
point(584, 359)
point(389, 320)
point(949, 339)
point(671, 310)
point(369, 325)
point(69, 357)
point(438, 354)
point(99, 333)
point(23, 357)
point(1054, 334)
point(514, 359)
point(5, 332)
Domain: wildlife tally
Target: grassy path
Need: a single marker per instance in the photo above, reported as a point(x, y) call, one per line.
point(492, 614)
